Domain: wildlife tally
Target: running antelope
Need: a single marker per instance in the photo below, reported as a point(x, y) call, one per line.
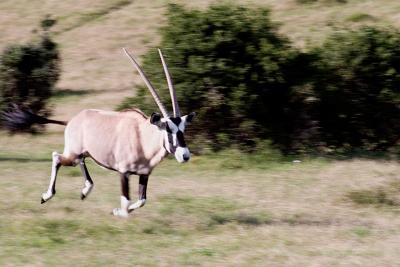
point(127, 142)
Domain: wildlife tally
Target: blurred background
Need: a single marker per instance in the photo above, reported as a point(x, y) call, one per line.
point(296, 137)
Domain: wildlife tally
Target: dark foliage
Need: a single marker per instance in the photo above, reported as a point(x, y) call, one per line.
point(231, 66)
point(247, 83)
point(29, 72)
point(358, 89)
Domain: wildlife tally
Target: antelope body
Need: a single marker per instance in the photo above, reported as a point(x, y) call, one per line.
point(121, 141)
point(127, 142)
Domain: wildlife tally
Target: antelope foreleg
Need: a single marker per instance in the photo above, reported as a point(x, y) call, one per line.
point(125, 199)
point(143, 179)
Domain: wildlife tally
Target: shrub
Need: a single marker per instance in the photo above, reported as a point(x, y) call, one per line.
point(358, 88)
point(231, 66)
point(29, 72)
point(247, 83)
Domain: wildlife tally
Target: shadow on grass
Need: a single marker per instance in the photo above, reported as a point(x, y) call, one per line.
point(260, 219)
point(188, 213)
point(61, 93)
point(363, 154)
point(23, 160)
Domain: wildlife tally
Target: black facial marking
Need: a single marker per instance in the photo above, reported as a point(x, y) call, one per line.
point(181, 139)
point(176, 121)
point(155, 118)
point(179, 134)
point(190, 117)
point(168, 129)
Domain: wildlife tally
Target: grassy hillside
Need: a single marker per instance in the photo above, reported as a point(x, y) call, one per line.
point(92, 33)
point(218, 210)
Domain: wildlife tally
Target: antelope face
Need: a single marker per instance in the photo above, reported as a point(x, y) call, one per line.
point(173, 129)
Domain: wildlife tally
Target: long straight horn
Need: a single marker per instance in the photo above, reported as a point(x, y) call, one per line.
point(175, 105)
point(148, 84)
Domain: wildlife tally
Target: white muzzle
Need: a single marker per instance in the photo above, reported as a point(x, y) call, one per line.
point(182, 154)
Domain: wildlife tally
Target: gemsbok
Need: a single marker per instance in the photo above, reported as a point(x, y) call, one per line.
point(127, 142)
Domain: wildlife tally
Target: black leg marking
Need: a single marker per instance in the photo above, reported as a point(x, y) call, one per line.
point(86, 175)
point(125, 185)
point(85, 171)
point(143, 179)
point(53, 186)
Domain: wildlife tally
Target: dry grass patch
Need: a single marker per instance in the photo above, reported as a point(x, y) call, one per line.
point(386, 195)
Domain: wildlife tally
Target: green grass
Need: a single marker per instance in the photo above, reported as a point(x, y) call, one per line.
point(198, 214)
point(361, 231)
point(359, 17)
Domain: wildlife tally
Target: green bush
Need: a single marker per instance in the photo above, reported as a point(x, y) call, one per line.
point(29, 72)
point(231, 66)
point(247, 83)
point(358, 88)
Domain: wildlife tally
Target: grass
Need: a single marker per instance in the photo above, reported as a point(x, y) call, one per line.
point(387, 195)
point(91, 16)
point(359, 17)
point(198, 214)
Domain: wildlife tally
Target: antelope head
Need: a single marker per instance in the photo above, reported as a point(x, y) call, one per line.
point(173, 127)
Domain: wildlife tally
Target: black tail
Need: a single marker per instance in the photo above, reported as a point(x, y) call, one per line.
point(18, 119)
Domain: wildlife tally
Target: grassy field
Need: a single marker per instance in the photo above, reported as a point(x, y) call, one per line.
point(218, 210)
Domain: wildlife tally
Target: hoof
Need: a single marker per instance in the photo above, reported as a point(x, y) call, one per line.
point(47, 196)
point(83, 196)
point(120, 213)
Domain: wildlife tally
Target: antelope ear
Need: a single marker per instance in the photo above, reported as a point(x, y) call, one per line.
point(190, 117)
point(155, 119)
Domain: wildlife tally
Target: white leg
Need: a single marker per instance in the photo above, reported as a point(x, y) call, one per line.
point(138, 204)
point(123, 211)
point(52, 186)
point(86, 190)
point(143, 179)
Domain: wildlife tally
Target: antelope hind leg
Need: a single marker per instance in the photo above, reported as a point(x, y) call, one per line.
point(58, 160)
point(88, 180)
point(143, 179)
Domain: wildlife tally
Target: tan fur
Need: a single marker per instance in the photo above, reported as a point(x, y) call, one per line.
point(124, 141)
